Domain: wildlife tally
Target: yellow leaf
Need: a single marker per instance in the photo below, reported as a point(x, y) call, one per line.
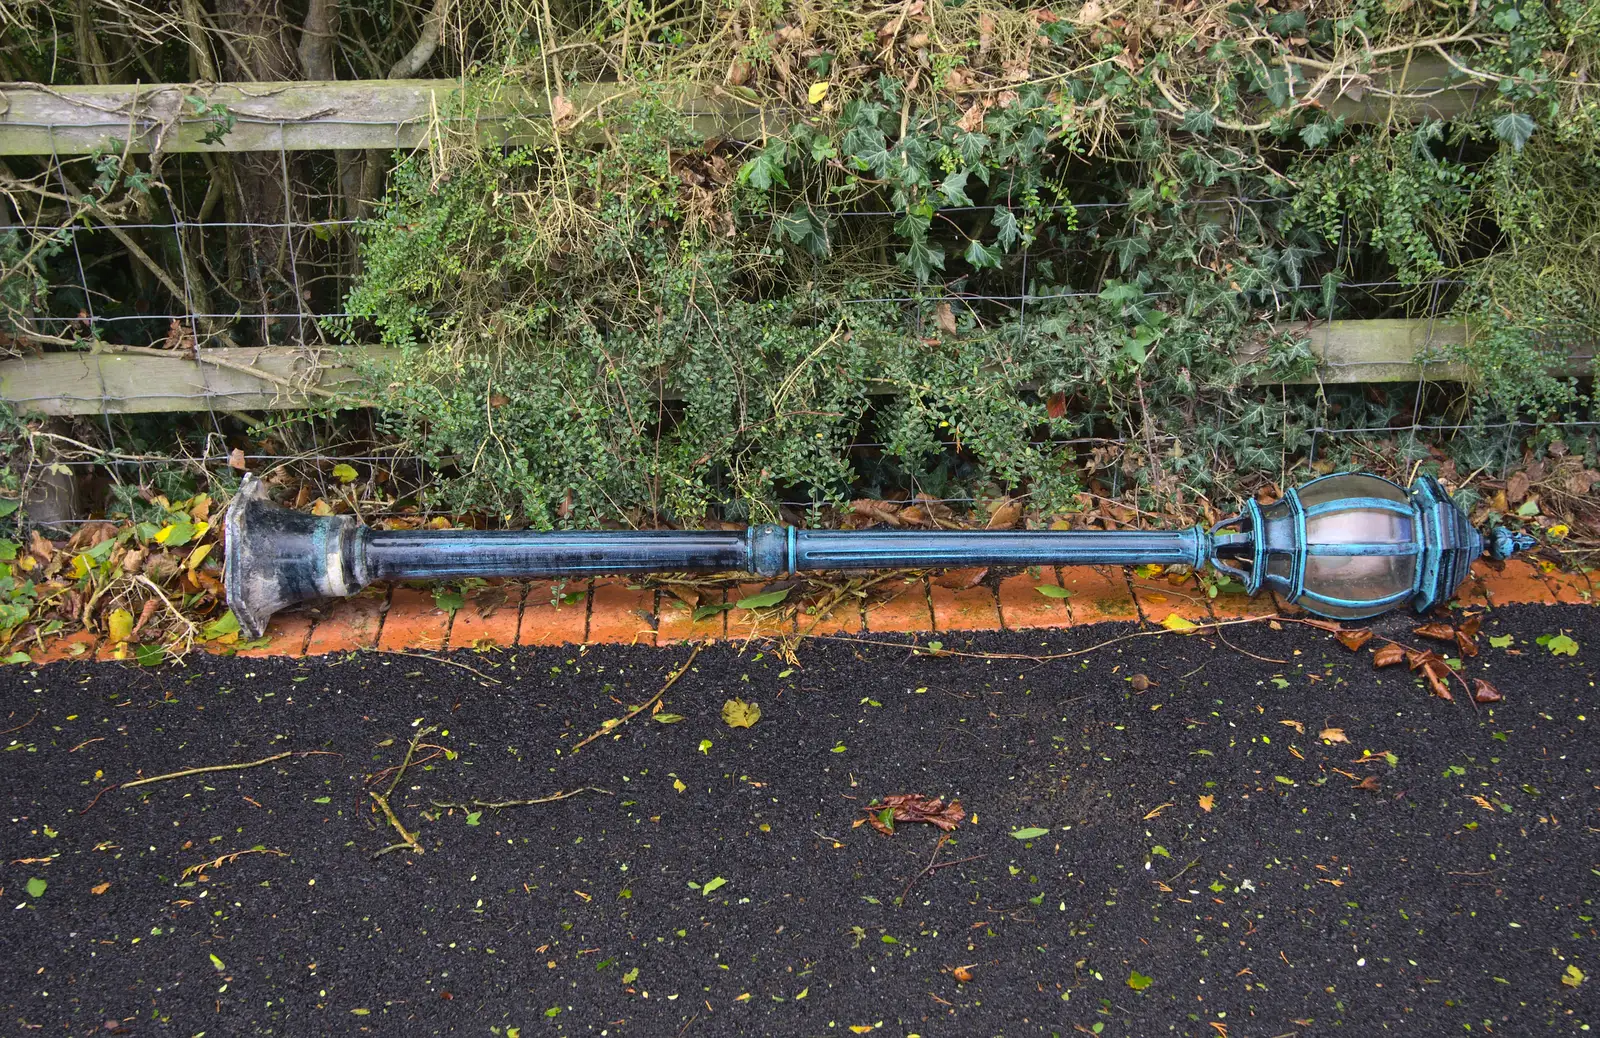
point(198, 556)
point(1207, 802)
point(163, 533)
point(817, 92)
point(1481, 802)
point(1174, 622)
point(321, 507)
point(863, 1028)
point(81, 564)
point(26, 563)
point(119, 625)
point(200, 530)
point(1332, 735)
point(100, 888)
point(678, 785)
point(736, 713)
point(1558, 531)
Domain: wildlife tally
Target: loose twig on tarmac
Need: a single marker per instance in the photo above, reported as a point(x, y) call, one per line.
point(383, 798)
point(495, 805)
point(931, 867)
point(612, 726)
point(226, 858)
point(225, 767)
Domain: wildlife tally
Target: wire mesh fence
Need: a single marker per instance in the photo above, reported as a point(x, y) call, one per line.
point(162, 270)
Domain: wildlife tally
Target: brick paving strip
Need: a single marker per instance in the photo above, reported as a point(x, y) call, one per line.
point(528, 613)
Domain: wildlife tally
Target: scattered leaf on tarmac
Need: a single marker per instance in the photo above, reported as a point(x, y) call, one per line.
point(216, 962)
point(713, 884)
point(37, 887)
point(1296, 725)
point(914, 807)
point(962, 973)
point(99, 888)
point(1156, 811)
point(705, 746)
point(1332, 735)
point(1388, 655)
point(667, 718)
point(736, 713)
point(1138, 981)
point(1354, 640)
point(1501, 641)
point(1033, 832)
point(1141, 683)
point(1438, 632)
point(1370, 784)
point(1573, 976)
point(1207, 802)
point(1174, 622)
point(1482, 802)
point(1561, 645)
point(1483, 692)
point(1437, 672)
point(678, 785)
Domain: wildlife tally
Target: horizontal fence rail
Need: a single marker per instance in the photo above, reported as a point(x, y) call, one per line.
point(405, 113)
point(137, 380)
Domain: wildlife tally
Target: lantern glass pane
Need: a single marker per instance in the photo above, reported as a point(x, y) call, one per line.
point(1332, 488)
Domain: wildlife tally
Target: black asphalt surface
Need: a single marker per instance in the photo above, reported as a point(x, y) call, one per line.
point(719, 885)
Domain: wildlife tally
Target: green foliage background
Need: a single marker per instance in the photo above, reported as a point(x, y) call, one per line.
point(635, 326)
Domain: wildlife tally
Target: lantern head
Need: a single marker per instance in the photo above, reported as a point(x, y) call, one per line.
point(1354, 545)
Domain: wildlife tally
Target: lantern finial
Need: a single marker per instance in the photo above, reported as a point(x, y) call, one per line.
point(1504, 543)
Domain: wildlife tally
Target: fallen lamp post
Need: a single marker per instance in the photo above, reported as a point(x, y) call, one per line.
point(1345, 546)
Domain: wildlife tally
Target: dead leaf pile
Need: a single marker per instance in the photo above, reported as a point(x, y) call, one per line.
point(883, 815)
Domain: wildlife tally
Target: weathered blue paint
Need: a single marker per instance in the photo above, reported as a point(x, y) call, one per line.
point(276, 557)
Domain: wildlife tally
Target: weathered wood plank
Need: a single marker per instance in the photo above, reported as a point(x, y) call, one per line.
point(119, 383)
point(125, 383)
point(405, 113)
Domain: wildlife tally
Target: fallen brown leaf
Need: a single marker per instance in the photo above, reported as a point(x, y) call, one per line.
point(1438, 632)
point(1006, 516)
point(1207, 802)
point(1483, 692)
point(961, 579)
point(1370, 784)
point(1296, 725)
point(1437, 672)
point(1470, 625)
point(1332, 735)
point(914, 807)
point(1388, 655)
point(1156, 811)
point(946, 318)
point(962, 973)
point(1467, 645)
point(99, 888)
point(1353, 640)
point(1141, 683)
point(1055, 405)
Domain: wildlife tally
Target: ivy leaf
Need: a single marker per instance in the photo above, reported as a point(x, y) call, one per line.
point(9, 505)
point(1198, 120)
point(448, 599)
point(1316, 134)
point(971, 146)
point(1006, 221)
point(980, 255)
point(1514, 128)
point(766, 169)
point(954, 189)
point(921, 259)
